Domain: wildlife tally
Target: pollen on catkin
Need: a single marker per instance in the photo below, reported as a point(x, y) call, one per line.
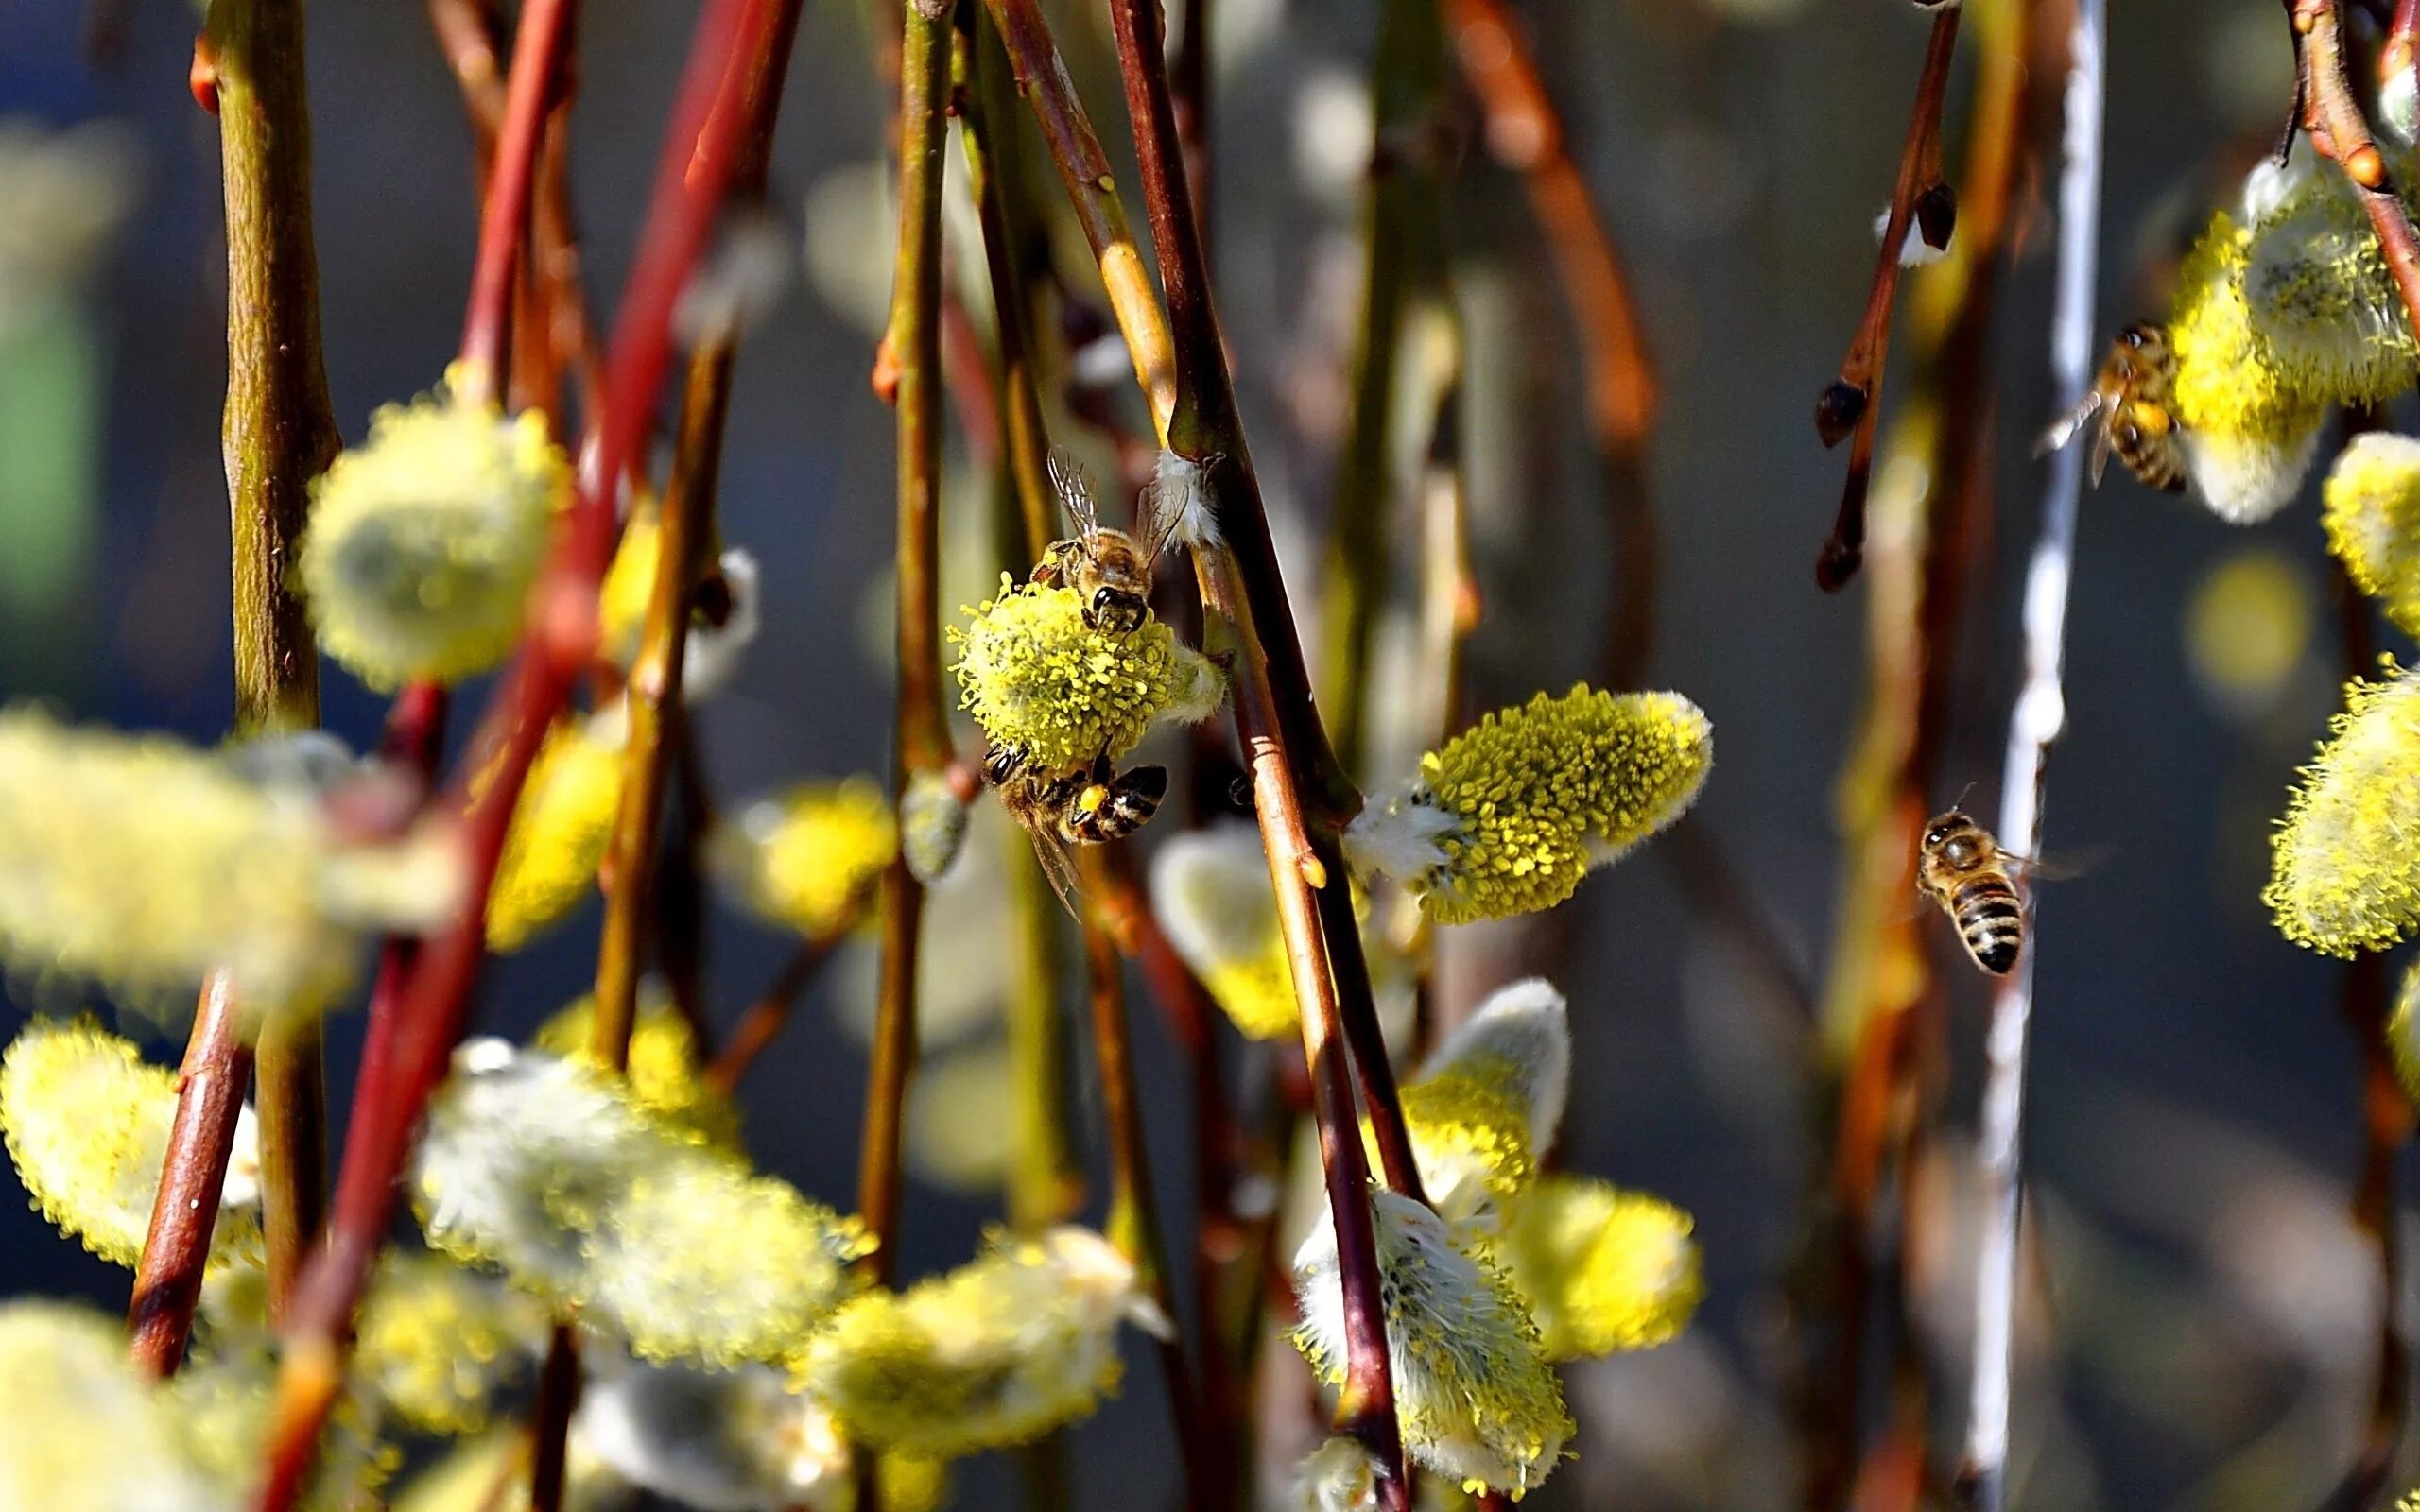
point(1477, 1400)
point(87, 1124)
point(560, 831)
point(2322, 298)
point(1603, 1269)
point(1041, 680)
point(806, 858)
point(80, 1431)
point(436, 1344)
point(539, 1166)
point(144, 864)
point(1511, 814)
point(2345, 876)
point(2249, 426)
point(1485, 1107)
point(424, 541)
point(2372, 513)
point(665, 1074)
point(1003, 1350)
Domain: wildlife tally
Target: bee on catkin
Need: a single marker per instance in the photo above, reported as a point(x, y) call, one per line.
point(1962, 867)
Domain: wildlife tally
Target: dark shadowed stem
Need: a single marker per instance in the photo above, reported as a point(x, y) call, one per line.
point(1042, 79)
point(2333, 117)
point(1403, 219)
point(765, 1016)
point(1525, 133)
point(541, 50)
point(652, 694)
point(434, 1004)
point(2034, 723)
point(1849, 407)
point(550, 1419)
point(922, 732)
point(1286, 747)
point(1134, 1223)
point(210, 1095)
point(1189, 92)
point(279, 434)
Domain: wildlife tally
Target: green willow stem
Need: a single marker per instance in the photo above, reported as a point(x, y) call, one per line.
point(1402, 221)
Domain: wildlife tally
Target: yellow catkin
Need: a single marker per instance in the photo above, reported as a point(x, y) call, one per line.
point(1037, 678)
point(2403, 1032)
point(79, 1429)
point(1603, 1269)
point(2345, 876)
point(665, 1075)
point(436, 1344)
point(87, 1124)
point(2321, 297)
point(807, 858)
point(2373, 519)
point(2249, 427)
point(424, 541)
point(558, 834)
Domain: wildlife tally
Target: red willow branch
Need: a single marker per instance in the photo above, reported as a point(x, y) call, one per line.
point(279, 433)
point(434, 1004)
point(1847, 405)
point(1525, 133)
point(541, 50)
point(2333, 118)
point(921, 740)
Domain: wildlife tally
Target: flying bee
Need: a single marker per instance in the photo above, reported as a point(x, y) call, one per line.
point(1110, 570)
point(1962, 867)
point(1090, 806)
point(2128, 410)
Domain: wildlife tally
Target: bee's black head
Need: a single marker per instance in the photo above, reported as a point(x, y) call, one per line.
point(1946, 826)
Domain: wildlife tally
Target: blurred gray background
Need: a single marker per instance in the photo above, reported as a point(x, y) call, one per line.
point(2194, 1124)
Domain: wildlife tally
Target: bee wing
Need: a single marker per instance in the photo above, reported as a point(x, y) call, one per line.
point(1050, 853)
point(2064, 867)
point(1075, 492)
point(2062, 432)
point(1161, 507)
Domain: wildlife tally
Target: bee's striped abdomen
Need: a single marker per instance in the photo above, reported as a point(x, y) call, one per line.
point(1991, 920)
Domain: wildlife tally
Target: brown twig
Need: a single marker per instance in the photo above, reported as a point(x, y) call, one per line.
point(756, 1027)
point(279, 433)
point(1525, 133)
point(1847, 406)
point(434, 1004)
point(550, 1419)
point(210, 1095)
point(2333, 118)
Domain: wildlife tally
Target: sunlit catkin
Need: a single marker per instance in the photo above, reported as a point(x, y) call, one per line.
point(665, 1074)
point(79, 1429)
point(1477, 1400)
point(1601, 1268)
point(1041, 680)
point(438, 1344)
point(87, 1124)
point(144, 864)
point(2248, 425)
point(1485, 1107)
point(806, 858)
point(2321, 297)
point(1509, 816)
point(2373, 519)
point(424, 541)
point(1211, 891)
point(2345, 876)
point(560, 831)
point(998, 1353)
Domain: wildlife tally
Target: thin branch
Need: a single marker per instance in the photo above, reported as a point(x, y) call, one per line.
point(764, 1018)
point(2333, 118)
point(1133, 1218)
point(1847, 406)
point(1525, 134)
point(434, 1004)
point(2039, 715)
point(558, 1383)
point(209, 1096)
point(541, 50)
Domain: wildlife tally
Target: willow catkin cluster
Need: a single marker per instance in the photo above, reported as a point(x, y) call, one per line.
point(2372, 513)
point(1485, 1110)
point(1000, 1352)
point(559, 830)
point(2248, 426)
point(1042, 681)
point(422, 542)
point(1603, 1269)
point(1514, 812)
point(806, 858)
point(1477, 1400)
point(2344, 875)
point(144, 865)
point(87, 1124)
point(537, 1166)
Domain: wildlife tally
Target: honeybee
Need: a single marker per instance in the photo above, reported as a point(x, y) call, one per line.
point(2128, 410)
point(1962, 867)
point(1090, 806)
point(1110, 570)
